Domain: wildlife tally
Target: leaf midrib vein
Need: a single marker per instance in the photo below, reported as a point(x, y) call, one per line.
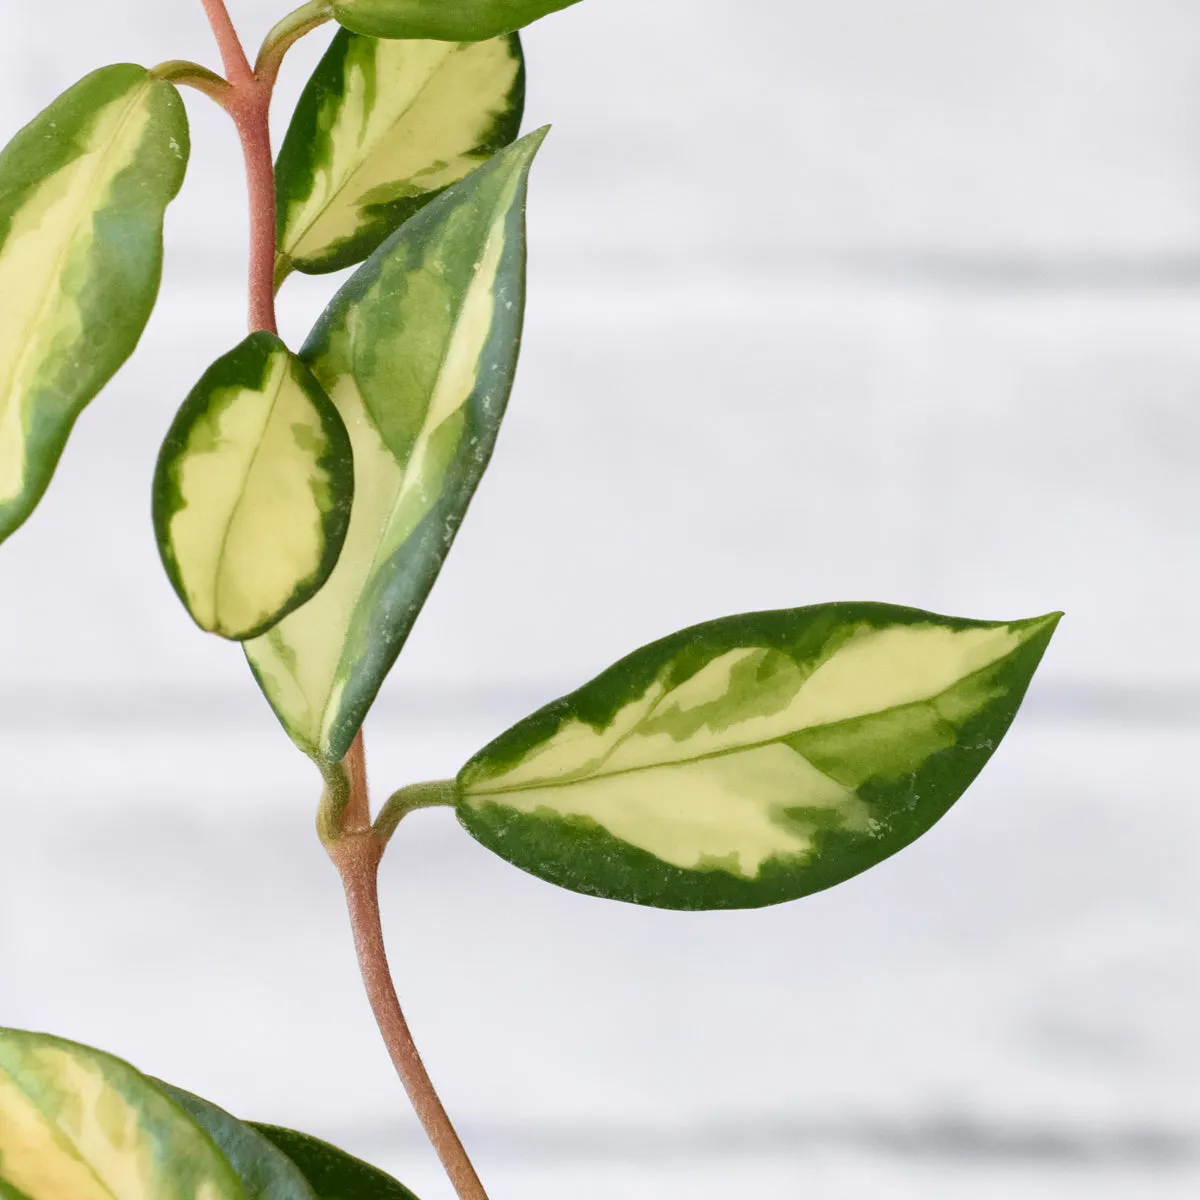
point(725, 753)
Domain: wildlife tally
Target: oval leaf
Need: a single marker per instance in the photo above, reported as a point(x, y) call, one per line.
point(253, 490)
point(332, 1173)
point(442, 20)
point(76, 1124)
point(753, 759)
point(265, 1171)
point(382, 128)
point(83, 190)
point(418, 352)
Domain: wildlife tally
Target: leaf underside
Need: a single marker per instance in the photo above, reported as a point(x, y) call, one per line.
point(418, 352)
point(332, 1173)
point(754, 759)
point(381, 128)
point(265, 1171)
point(83, 191)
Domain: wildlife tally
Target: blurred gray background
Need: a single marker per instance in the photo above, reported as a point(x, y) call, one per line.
point(886, 299)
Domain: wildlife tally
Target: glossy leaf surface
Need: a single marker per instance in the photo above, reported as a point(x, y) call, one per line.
point(382, 128)
point(332, 1173)
point(76, 1124)
point(253, 490)
point(418, 352)
point(266, 1172)
point(443, 20)
point(753, 759)
point(83, 190)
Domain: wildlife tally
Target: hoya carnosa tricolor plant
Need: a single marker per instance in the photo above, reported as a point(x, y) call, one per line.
point(753, 759)
point(306, 497)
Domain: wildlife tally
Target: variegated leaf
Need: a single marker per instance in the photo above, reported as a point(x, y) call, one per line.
point(83, 189)
point(418, 352)
point(76, 1124)
point(382, 128)
point(253, 490)
point(266, 1172)
point(332, 1173)
point(443, 20)
point(753, 759)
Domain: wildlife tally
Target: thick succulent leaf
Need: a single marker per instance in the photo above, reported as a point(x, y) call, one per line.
point(83, 189)
point(442, 20)
point(418, 352)
point(266, 1172)
point(382, 128)
point(253, 490)
point(76, 1124)
point(753, 759)
point(332, 1173)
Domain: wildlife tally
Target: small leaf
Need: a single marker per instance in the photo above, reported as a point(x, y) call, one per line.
point(418, 352)
point(83, 190)
point(332, 1173)
point(76, 1124)
point(266, 1172)
point(442, 20)
point(753, 759)
point(382, 128)
point(253, 490)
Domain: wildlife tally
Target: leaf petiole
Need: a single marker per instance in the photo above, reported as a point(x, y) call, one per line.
point(284, 35)
point(441, 793)
point(193, 75)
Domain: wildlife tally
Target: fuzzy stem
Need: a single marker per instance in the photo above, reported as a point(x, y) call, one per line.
point(356, 852)
point(237, 65)
point(248, 103)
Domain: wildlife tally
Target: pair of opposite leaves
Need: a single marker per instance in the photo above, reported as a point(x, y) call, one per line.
point(741, 763)
point(77, 1124)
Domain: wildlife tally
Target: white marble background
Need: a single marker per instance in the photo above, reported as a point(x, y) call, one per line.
point(889, 299)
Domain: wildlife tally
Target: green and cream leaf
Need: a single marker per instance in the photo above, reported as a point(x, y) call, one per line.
point(382, 128)
point(266, 1172)
point(253, 490)
point(83, 191)
point(418, 352)
point(442, 20)
point(753, 759)
point(76, 1124)
point(333, 1174)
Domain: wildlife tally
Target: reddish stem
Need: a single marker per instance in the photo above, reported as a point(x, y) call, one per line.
point(356, 856)
point(248, 103)
point(353, 846)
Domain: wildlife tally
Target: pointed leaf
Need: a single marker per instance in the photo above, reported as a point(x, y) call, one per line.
point(332, 1173)
point(83, 189)
point(76, 1124)
point(382, 128)
point(444, 20)
point(756, 758)
point(418, 352)
point(253, 490)
point(266, 1172)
